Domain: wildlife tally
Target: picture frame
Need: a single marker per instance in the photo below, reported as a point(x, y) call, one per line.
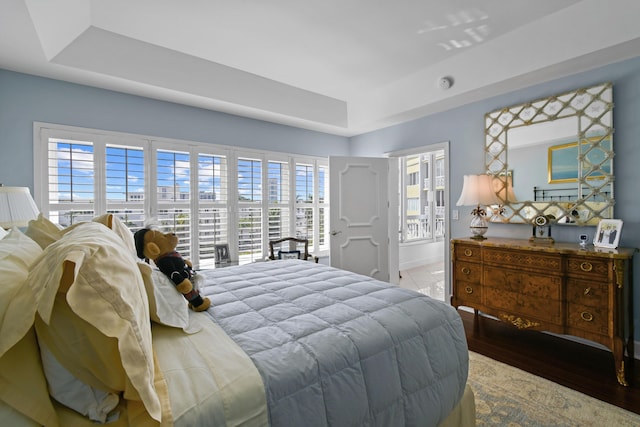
point(608, 233)
point(288, 254)
point(222, 253)
point(563, 161)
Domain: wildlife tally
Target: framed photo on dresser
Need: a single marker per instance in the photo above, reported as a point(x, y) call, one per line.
point(608, 233)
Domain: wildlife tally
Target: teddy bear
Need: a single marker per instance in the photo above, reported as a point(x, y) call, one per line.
point(161, 248)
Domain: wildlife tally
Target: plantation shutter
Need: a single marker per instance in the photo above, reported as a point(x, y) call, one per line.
point(212, 206)
point(125, 184)
point(278, 200)
point(206, 194)
point(173, 175)
point(304, 202)
point(249, 209)
point(71, 181)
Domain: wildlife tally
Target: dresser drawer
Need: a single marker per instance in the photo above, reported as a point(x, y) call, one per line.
point(467, 253)
point(527, 284)
point(467, 292)
point(590, 319)
point(468, 272)
point(543, 309)
point(590, 268)
point(528, 260)
point(588, 293)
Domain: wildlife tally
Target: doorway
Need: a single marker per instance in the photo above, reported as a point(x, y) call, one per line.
point(424, 219)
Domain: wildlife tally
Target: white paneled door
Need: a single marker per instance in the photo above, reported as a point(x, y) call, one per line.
point(360, 216)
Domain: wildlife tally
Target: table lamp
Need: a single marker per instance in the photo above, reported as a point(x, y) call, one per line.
point(478, 190)
point(17, 207)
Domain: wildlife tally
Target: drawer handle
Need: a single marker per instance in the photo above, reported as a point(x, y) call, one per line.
point(466, 270)
point(468, 290)
point(587, 291)
point(586, 266)
point(468, 252)
point(586, 316)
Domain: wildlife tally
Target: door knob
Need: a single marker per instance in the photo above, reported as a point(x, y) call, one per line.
point(334, 232)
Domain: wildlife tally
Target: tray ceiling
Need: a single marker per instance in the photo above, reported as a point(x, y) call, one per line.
point(343, 67)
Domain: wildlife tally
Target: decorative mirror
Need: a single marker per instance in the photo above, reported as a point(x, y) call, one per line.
point(553, 157)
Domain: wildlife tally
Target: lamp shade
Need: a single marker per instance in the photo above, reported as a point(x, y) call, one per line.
point(17, 207)
point(478, 190)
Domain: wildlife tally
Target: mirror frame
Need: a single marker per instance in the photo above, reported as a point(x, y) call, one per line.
point(594, 198)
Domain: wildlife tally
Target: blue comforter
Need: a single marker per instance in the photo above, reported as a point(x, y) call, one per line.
point(335, 348)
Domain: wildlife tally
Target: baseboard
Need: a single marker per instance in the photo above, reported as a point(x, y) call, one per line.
point(636, 344)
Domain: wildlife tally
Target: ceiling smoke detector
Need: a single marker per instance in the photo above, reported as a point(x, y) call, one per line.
point(445, 83)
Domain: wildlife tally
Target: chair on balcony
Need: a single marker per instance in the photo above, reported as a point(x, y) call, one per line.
point(293, 249)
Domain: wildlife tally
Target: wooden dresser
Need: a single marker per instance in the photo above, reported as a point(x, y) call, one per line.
point(561, 288)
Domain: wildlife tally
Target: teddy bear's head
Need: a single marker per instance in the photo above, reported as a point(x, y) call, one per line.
point(154, 244)
point(151, 243)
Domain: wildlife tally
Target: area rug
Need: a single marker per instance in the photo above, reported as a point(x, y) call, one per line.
point(507, 396)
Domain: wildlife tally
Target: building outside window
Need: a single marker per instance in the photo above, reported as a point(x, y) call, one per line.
point(422, 186)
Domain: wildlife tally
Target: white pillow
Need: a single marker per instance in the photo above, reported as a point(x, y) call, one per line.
point(23, 387)
point(43, 231)
point(166, 305)
point(3, 232)
point(17, 308)
point(68, 390)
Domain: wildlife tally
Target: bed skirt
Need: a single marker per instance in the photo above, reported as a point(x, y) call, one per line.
point(464, 414)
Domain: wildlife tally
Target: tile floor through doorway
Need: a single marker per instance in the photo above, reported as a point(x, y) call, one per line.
point(426, 279)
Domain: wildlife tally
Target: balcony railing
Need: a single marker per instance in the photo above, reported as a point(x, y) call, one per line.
point(425, 227)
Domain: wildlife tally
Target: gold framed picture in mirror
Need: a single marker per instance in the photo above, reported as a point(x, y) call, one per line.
point(566, 165)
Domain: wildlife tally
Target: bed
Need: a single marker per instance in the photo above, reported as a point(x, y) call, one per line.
point(285, 343)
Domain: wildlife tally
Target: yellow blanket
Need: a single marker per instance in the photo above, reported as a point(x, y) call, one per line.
point(209, 379)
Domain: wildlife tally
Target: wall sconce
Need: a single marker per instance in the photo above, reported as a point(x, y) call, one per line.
point(17, 207)
point(478, 190)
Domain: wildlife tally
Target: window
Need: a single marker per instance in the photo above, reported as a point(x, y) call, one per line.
point(422, 210)
point(278, 200)
point(413, 206)
point(249, 209)
point(205, 193)
point(212, 206)
point(304, 202)
point(413, 178)
point(71, 180)
point(173, 185)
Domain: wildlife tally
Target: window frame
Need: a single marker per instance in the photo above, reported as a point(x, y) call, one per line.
point(151, 205)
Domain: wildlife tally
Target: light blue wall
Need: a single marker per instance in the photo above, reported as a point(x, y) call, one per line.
point(464, 128)
point(25, 99)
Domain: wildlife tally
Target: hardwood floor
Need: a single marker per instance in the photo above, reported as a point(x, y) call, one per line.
point(583, 368)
